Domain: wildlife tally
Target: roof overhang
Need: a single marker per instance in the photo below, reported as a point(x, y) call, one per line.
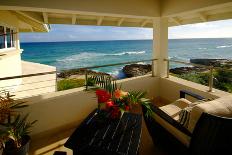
point(22, 22)
point(128, 13)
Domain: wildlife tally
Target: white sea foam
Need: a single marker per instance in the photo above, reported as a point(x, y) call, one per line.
point(179, 58)
point(81, 56)
point(202, 48)
point(114, 72)
point(141, 63)
point(88, 55)
point(224, 46)
point(128, 53)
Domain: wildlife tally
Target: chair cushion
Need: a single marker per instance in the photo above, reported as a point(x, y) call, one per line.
point(183, 138)
point(220, 107)
point(173, 110)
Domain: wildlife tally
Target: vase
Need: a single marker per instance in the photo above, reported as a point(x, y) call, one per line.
point(23, 150)
point(1, 151)
point(115, 113)
point(136, 108)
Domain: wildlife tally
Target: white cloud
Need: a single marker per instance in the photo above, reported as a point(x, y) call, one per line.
point(218, 29)
point(201, 25)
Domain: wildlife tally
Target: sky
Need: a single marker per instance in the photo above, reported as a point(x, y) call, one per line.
point(218, 29)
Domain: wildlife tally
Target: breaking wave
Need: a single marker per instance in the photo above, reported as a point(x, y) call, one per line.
point(202, 48)
point(179, 58)
point(128, 53)
point(224, 46)
point(88, 56)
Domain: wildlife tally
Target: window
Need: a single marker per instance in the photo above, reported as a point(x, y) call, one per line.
point(7, 37)
point(12, 39)
point(2, 37)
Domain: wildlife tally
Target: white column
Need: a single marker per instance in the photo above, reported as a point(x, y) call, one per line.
point(17, 42)
point(160, 46)
point(5, 37)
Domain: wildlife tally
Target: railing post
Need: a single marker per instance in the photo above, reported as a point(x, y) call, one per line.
point(86, 79)
point(211, 79)
point(152, 67)
point(56, 83)
point(167, 67)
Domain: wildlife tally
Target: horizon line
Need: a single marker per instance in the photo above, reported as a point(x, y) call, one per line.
point(120, 40)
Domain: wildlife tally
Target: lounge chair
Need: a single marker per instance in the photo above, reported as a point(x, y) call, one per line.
point(209, 129)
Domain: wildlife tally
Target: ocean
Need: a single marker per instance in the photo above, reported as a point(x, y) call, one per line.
point(76, 54)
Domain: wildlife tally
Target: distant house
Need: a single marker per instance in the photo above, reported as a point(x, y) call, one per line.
point(11, 65)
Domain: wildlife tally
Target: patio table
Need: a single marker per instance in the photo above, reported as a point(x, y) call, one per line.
point(96, 136)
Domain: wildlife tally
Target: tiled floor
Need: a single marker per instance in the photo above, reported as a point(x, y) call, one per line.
point(48, 145)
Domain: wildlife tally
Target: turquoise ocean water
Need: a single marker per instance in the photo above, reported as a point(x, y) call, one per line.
point(68, 55)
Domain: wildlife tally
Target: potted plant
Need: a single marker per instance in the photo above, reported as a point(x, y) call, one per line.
point(18, 138)
point(3, 137)
point(14, 128)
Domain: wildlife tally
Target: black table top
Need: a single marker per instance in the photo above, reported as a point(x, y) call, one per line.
point(102, 137)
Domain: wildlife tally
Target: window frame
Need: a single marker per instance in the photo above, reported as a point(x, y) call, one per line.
point(4, 39)
point(12, 34)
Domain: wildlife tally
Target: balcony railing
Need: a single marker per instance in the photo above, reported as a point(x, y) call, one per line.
point(40, 86)
point(21, 84)
point(115, 64)
point(210, 68)
point(51, 81)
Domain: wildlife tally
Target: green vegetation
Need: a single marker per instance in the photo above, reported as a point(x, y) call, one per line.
point(69, 84)
point(222, 79)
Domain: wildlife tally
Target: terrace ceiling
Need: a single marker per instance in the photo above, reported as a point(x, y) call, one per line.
point(32, 15)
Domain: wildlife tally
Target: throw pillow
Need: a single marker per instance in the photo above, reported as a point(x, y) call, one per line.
point(184, 114)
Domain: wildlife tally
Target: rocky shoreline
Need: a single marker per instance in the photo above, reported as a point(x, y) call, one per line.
point(137, 69)
point(134, 70)
point(222, 63)
point(213, 62)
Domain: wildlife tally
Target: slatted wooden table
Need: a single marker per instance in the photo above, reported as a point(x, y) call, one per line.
point(118, 137)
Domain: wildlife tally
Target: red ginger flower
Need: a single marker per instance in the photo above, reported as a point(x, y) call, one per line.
point(102, 95)
point(127, 108)
point(109, 104)
point(119, 94)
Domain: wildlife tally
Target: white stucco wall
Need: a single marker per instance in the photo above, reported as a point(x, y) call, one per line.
point(59, 111)
point(10, 65)
point(170, 89)
point(35, 85)
point(66, 109)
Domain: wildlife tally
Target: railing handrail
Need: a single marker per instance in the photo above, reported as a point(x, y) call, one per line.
point(83, 68)
point(211, 68)
point(189, 63)
point(115, 64)
point(27, 75)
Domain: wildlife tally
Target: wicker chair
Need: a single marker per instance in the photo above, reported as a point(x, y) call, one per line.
point(212, 135)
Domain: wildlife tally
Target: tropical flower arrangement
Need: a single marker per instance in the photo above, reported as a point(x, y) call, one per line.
point(115, 103)
point(114, 100)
